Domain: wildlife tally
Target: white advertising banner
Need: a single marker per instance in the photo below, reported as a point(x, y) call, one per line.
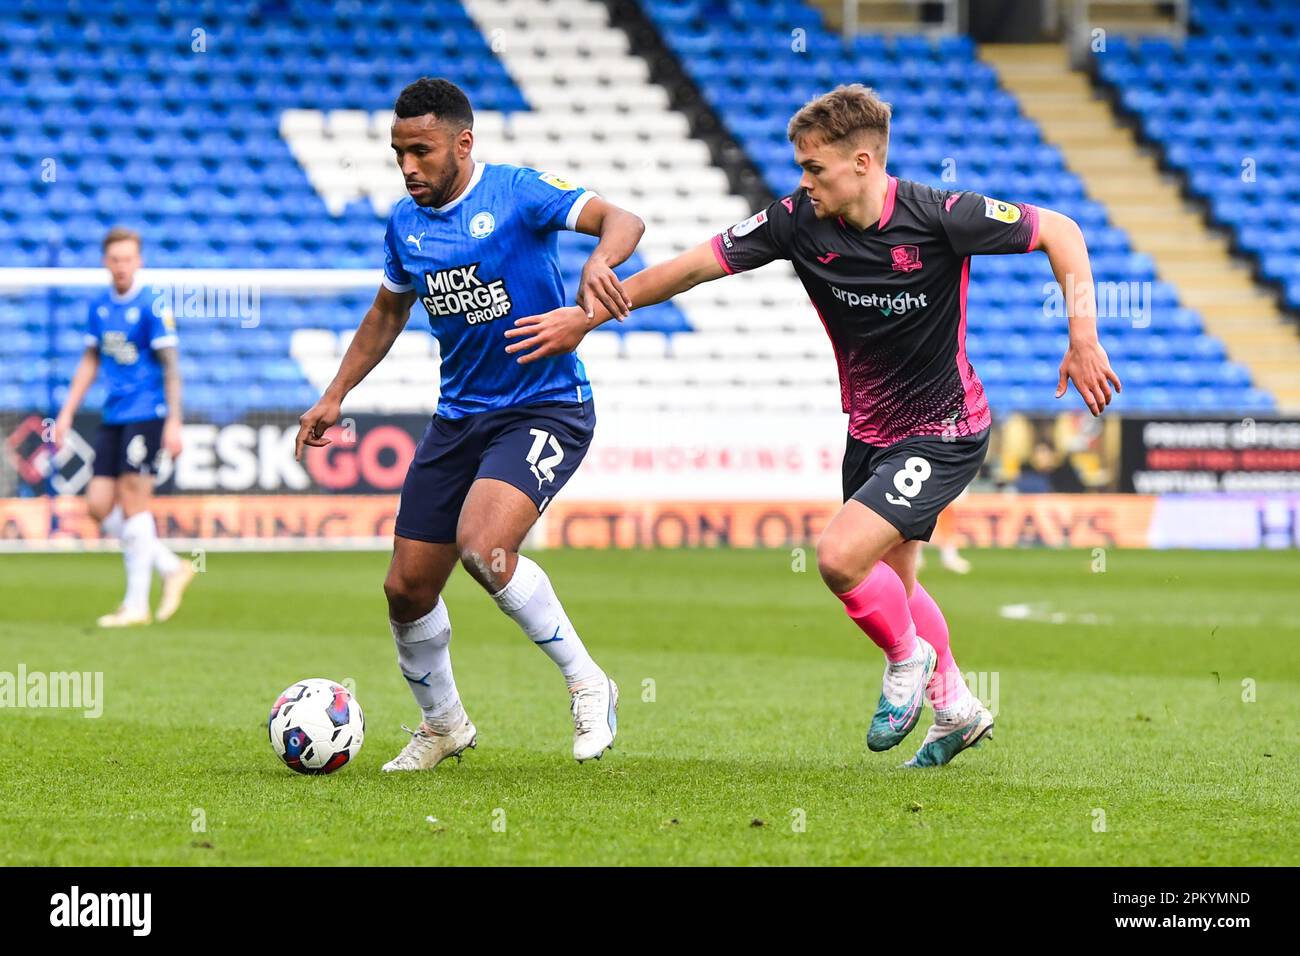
point(708, 455)
point(1226, 521)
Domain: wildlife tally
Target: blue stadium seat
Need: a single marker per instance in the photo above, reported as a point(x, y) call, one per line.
point(1224, 108)
point(952, 117)
point(189, 149)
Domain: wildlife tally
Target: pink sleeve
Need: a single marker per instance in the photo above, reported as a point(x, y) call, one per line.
point(721, 256)
point(1032, 213)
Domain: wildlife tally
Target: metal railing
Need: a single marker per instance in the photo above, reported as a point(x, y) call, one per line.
point(1084, 29)
point(953, 17)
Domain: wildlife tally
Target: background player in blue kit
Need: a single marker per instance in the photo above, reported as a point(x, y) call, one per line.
point(476, 245)
point(134, 345)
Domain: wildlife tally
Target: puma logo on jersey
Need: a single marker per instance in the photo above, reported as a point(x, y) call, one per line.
point(828, 258)
point(413, 240)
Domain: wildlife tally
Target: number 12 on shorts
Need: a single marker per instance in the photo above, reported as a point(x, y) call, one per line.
point(908, 481)
point(543, 468)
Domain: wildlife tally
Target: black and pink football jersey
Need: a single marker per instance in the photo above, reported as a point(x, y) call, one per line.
point(892, 298)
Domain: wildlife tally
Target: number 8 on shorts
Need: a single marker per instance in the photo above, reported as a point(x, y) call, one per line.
point(908, 480)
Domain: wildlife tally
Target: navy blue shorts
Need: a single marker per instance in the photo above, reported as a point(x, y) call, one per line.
point(130, 447)
point(535, 448)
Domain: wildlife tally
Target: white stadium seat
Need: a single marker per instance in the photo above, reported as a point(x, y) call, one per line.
point(638, 345)
point(348, 124)
point(600, 345)
point(314, 343)
point(595, 118)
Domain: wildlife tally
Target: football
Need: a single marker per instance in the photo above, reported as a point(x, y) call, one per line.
point(316, 726)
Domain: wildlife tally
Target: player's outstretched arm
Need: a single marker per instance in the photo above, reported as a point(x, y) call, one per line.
point(560, 330)
point(619, 232)
point(383, 322)
point(1085, 363)
point(82, 379)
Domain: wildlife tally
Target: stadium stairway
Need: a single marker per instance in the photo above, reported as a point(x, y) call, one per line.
point(1149, 206)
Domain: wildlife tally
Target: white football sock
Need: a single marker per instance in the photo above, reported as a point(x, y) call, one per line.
point(530, 600)
point(111, 526)
point(139, 535)
point(165, 561)
point(425, 661)
point(961, 705)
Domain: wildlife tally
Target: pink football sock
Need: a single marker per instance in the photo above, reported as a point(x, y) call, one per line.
point(946, 685)
point(879, 606)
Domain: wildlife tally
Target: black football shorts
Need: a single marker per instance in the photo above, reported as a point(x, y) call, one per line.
point(910, 482)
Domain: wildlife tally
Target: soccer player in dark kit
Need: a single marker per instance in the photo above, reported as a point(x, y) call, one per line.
point(886, 264)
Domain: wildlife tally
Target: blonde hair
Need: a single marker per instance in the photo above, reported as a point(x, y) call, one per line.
point(119, 233)
point(851, 112)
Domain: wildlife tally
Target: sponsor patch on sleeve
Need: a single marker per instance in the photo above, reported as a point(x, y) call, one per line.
point(1001, 211)
point(169, 320)
point(553, 180)
point(750, 224)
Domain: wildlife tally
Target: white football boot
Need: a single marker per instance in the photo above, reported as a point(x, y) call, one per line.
point(124, 617)
point(174, 586)
point(426, 749)
point(951, 559)
point(595, 717)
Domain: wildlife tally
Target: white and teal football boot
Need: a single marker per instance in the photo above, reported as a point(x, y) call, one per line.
point(945, 741)
point(902, 696)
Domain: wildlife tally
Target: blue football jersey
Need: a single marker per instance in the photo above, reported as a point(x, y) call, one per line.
point(126, 329)
point(478, 263)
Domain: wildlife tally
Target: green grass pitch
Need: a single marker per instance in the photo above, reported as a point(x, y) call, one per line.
point(1146, 715)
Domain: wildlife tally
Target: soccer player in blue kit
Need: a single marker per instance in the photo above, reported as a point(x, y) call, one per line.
point(134, 345)
point(476, 244)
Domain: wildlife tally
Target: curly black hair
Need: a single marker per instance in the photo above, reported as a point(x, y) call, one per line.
point(443, 98)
